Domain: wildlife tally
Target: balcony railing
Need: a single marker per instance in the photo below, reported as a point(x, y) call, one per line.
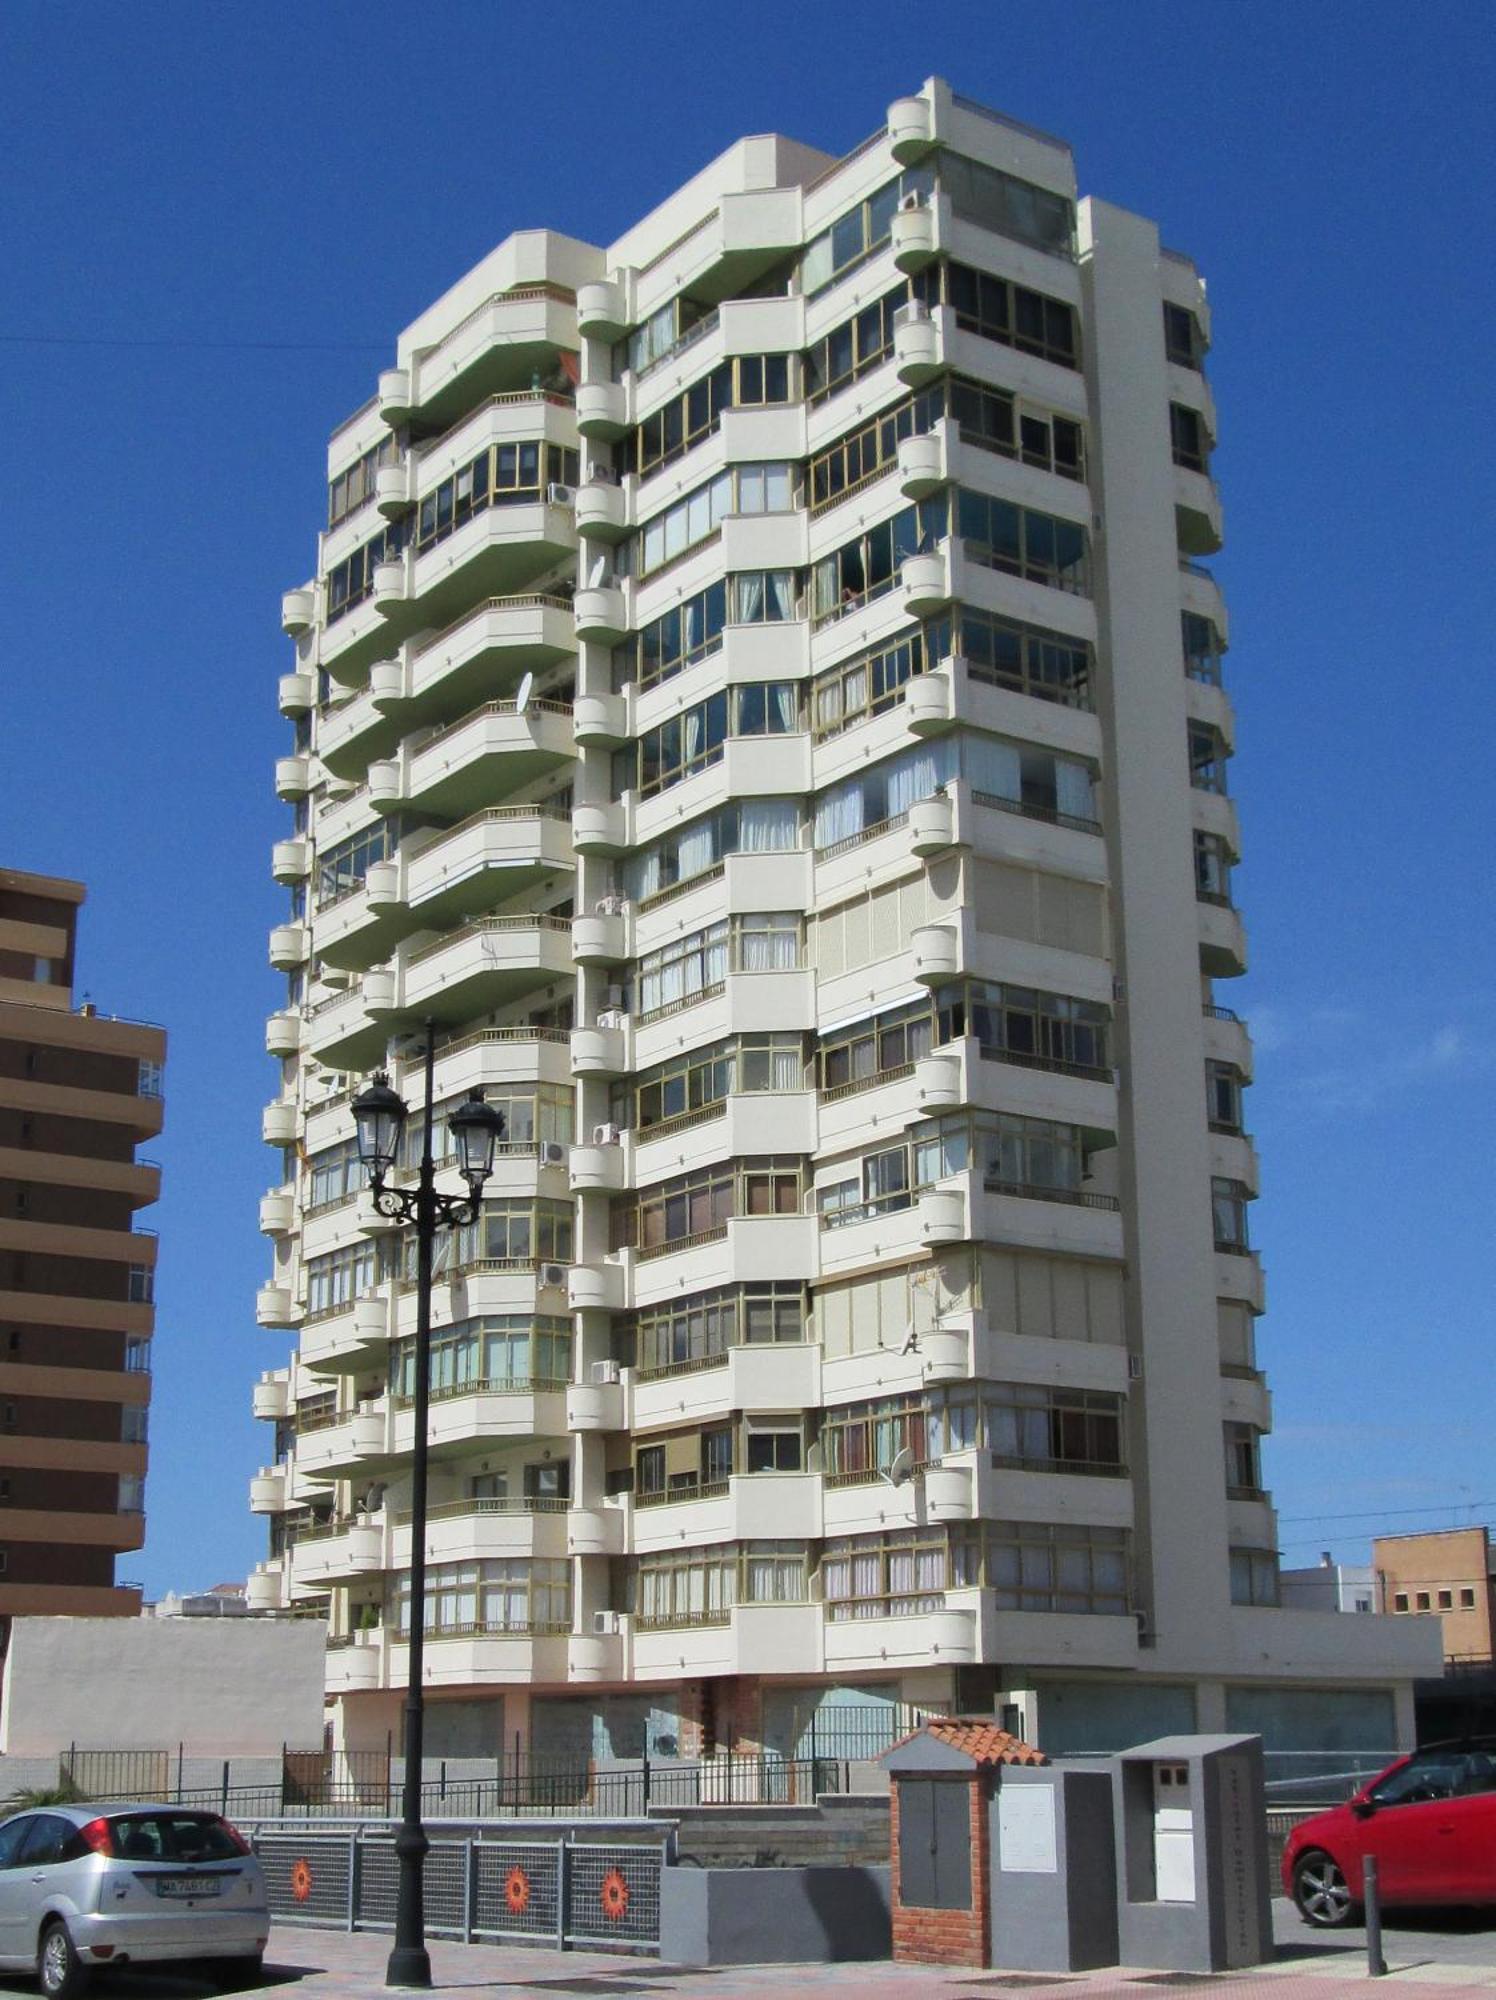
point(706, 1489)
point(547, 599)
point(519, 1503)
point(486, 927)
point(1212, 1013)
point(1086, 1468)
point(1030, 1191)
point(682, 1621)
point(716, 1234)
point(1026, 810)
point(486, 1385)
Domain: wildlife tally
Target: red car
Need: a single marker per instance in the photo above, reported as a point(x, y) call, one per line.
point(1430, 1820)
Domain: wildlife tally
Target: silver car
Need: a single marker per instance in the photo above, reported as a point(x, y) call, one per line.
point(89, 1886)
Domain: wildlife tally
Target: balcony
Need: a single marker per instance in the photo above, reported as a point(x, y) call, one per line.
point(602, 410)
point(599, 720)
point(599, 829)
point(507, 1410)
point(918, 345)
point(601, 614)
point(599, 940)
point(932, 825)
point(298, 611)
point(603, 309)
point(275, 1307)
point(394, 489)
point(924, 463)
point(595, 1406)
point(596, 1531)
point(911, 133)
point(949, 1636)
point(1227, 1040)
point(497, 349)
point(765, 1377)
point(486, 964)
point(602, 511)
point(293, 777)
point(355, 1665)
point(348, 1341)
point(472, 1530)
point(486, 652)
point(915, 234)
point(493, 752)
point(936, 953)
point(488, 858)
point(757, 1506)
point(596, 1169)
point(277, 1212)
point(394, 396)
point(271, 1396)
point(346, 1031)
point(296, 694)
point(1197, 512)
point(356, 733)
point(267, 1493)
point(263, 1589)
point(595, 1288)
point(278, 1124)
point(926, 583)
point(473, 1655)
point(338, 1551)
point(291, 861)
point(1223, 940)
point(496, 553)
point(345, 1447)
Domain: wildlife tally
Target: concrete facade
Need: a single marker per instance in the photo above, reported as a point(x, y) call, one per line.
point(760, 695)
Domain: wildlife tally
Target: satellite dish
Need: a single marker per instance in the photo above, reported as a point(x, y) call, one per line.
point(902, 1469)
point(596, 574)
point(522, 694)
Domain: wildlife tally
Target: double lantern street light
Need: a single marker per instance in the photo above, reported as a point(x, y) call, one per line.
point(475, 1130)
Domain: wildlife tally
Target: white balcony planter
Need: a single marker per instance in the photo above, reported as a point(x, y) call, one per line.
point(916, 347)
point(283, 1034)
point(277, 1212)
point(371, 1322)
point(937, 1082)
point(366, 1434)
point(382, 885)
point(595, 1169)
point(602, 410)
point(600, 614)
point(598, 1052)
point(598, 940)
point(595, 1531)
point(929, 704)
point(271, 1398)
point(910, 135)
point(386, 684)
point(293, 777)
point(394, 395)
point(936, 952)
point(295, 694)
point(594, 1406)
point(267, 1492)
point(923, 464)
point(595, 1288)
point(598, 829)
point(273, 1306)
point(290, 946)
point(353, 1669)
point(298, 611)
point(392, 494)
point(946, 1354)
point(390, 587)
point(942, 1216)
point(384, 785)
point(925, 584)
point(948, 1492)
point(602, 313)
point(599, 718)
point(914, 236)
point(291, 860)
point(378, 990)
point(262, 1591)
point(932, 825)
point(365, 1546)
point(278, 1124)
point(594, 1656)
point(601, 512)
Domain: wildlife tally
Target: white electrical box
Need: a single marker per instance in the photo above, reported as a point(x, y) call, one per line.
point(1173, 1834)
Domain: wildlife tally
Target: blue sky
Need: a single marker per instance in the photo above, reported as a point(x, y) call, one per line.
point(217, 222)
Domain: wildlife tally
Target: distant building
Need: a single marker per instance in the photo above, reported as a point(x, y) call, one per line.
point(78, 1093)
point(222, 1600)
point(1330, 1586)
point(1449, 1573)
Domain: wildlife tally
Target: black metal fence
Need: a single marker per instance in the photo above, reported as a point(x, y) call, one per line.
point(564, 1892)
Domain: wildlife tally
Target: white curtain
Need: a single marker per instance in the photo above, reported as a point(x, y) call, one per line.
point(781, 595)
point(783, 713)
point(767, 826)
point(695, 850)
point(994, 767)
point(1073, 790)
point(839, 814)
point(748, 596)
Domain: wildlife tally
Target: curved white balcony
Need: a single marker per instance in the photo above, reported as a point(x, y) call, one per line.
point(915, 236)
point(929, 704)
point(296, 694)
point(602, 310)
point(488, 649)
point(948, 1636)
point(948, 1492)
point(482, 1415)
point(377, 990)
point(262, 1589)
point(485, 964)
point(298, 611)
point(602, 512)
point(599, 829)
point(595, 1288)
point(918, 347)
point(357, 1666)
point(595, 1169)
point(924, 463)
point(599, 1052)
point(470, 1530)
point(926, 584)
point(938, 1083)
point(293, 777)
point(594, 1656)
point(277, 1212)
point(599, 719)
point(278, 1124)
point(384, 785)
point(936, 952)
point(595, 1531)
point(390, 588)
point(267, 1495)
point(394, 395)
point(283, 1034)
point(486, 756)
point(291, 860)
point(910, 129)
point(602, 410)
point(946, 1351)
point(942, 1216)
point(343, 1449)
point(932, 824)
point(271, 1397)
point(387, 685)
point(337, 1554)
point(274, 1307)
point(393, 490)
point(601, 614)
point(594, 1406)
point(290, 946)
point(599, 940)
point(367, 1219)
point(1223, 941)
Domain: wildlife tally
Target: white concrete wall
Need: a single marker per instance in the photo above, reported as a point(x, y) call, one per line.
point(224, 1688)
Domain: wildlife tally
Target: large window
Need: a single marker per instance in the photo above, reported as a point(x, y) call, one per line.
point(859, 232)
point(350, 581)
point(1228, 1208)
point(1036, 1566)
point(875, 680)
point(693, 966)
point(696, 1332)
point(1212, 868)
point(769, 488)
point(337, 1278)
point(872, 1052)
point(1243, 1444)
point(1207, 759)
point(881, 795)
point(668, 327)
point(867, 566)
point(685, 1587)
point(341, 868)
point(1026, 658)
point(897, 1575)
point(1254, 1576)
point(349, 489)
point(872, 448)
point(999, 422)
point(749, 826)
point(1038, 783)
point(1034, 1156)
point(859, 1444)
point(691, 741)
point(1041, 1429)
point(1023, 542)
point(1191, 446)
point(335, 1174)
point(749, 380)
point(505, 475)
point(1011, 314)
point(677, 639)
point(1021, 1024)
point(696, 1206)
point(995, 200)
point(1202, 648)
point(502, 1354)
point(490, 1597)
point(1183, 341)
point(851, 349)
point(696, 1085)
point(543, 1111)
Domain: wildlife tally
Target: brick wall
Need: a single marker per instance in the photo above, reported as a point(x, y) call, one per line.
point(946, 1937)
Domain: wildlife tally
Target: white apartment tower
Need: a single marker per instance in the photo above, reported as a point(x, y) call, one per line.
point(760, 695)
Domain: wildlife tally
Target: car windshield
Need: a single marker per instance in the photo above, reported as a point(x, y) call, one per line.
point(161, 1836)
point(1434, 1774)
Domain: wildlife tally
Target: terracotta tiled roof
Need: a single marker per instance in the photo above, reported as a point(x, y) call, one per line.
point(983, 1742)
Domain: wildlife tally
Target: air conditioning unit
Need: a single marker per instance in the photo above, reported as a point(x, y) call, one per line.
point(560, 496)
point(553, 1276)
point(606, 1623)
point(604, 1373)
point(552, 1153)
point(612, 1017)
point(606, 1135)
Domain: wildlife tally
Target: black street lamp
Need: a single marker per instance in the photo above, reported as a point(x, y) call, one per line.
point(476, 1129)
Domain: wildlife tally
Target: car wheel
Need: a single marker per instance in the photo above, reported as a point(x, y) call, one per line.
point(1322, 1892)
point(59, 1970)
point(236, 1975)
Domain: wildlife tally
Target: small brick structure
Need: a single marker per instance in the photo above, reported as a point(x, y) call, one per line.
point(943, 1778)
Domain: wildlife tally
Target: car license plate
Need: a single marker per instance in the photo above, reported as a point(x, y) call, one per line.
point(188, 1885)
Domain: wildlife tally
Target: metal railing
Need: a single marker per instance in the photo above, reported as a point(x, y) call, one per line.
point(486, 926)
point(1028, 1191)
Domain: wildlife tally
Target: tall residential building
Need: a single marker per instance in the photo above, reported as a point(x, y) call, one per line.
point(78, 1093)
point(760, 695)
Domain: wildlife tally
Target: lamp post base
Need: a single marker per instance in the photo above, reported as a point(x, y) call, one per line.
point(409, 1965)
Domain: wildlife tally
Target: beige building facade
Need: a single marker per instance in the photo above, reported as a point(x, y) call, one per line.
point(78, 1093)
point(761, 694)
point(1444, 1574)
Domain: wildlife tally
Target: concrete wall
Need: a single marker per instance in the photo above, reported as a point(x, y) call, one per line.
point(773, 1916)
point(220, 1688)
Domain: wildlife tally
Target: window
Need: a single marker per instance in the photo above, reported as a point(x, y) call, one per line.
point(769, 488)
point(861, 1443)
point(872, 448)
point(1467, 1600)
point(1017, 778)
point(134, 1424)
point(1013, 315)
point(1202, 648)
point(131, 1493)
point(1183, 341)
point(351, 488)
point(696, 1085)
point(670, 326)
point(1254, 1576)
point(875, 680)
point(1033, 1566)
point(858, 344)
point(141, 1285)
point(1400, 1601)
point(1207, 759)
point(694, 966)
point(137, 1356)
point(1212, 869)
point(1243, 1461)
point(697, 1205)
point(869, 565)
point(338, 1277)
point(333, 1175)
point(507, 1596)
point(1223, 1087)
point(693, 740)
point(1021, 1024)
point(1446, 1600)
point(1033, 1156)
point(750, 826)
point(746, 380)
point(1026, 658)
point(896, 1575)
point(857, 234)
point(350, 581)
point(1012, 207)
point(1040, 1429)
point(1228, 1207)
point(696, 1332)
point(880, 796)
point(149, 1080)
point(1187, 438)
point(513, 1235)
point(1422, 1600)
point(773, 1445)
point(1023, 542)
point(341, 868)
point(763, 597)
point(765, 708)
point(675, 640)
point(874, 1051)
point(500, 1354)
point(685, 1587)
point(504, 475)
point(996, 421)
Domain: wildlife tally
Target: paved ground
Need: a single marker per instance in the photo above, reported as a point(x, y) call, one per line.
point(1448, 1950)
